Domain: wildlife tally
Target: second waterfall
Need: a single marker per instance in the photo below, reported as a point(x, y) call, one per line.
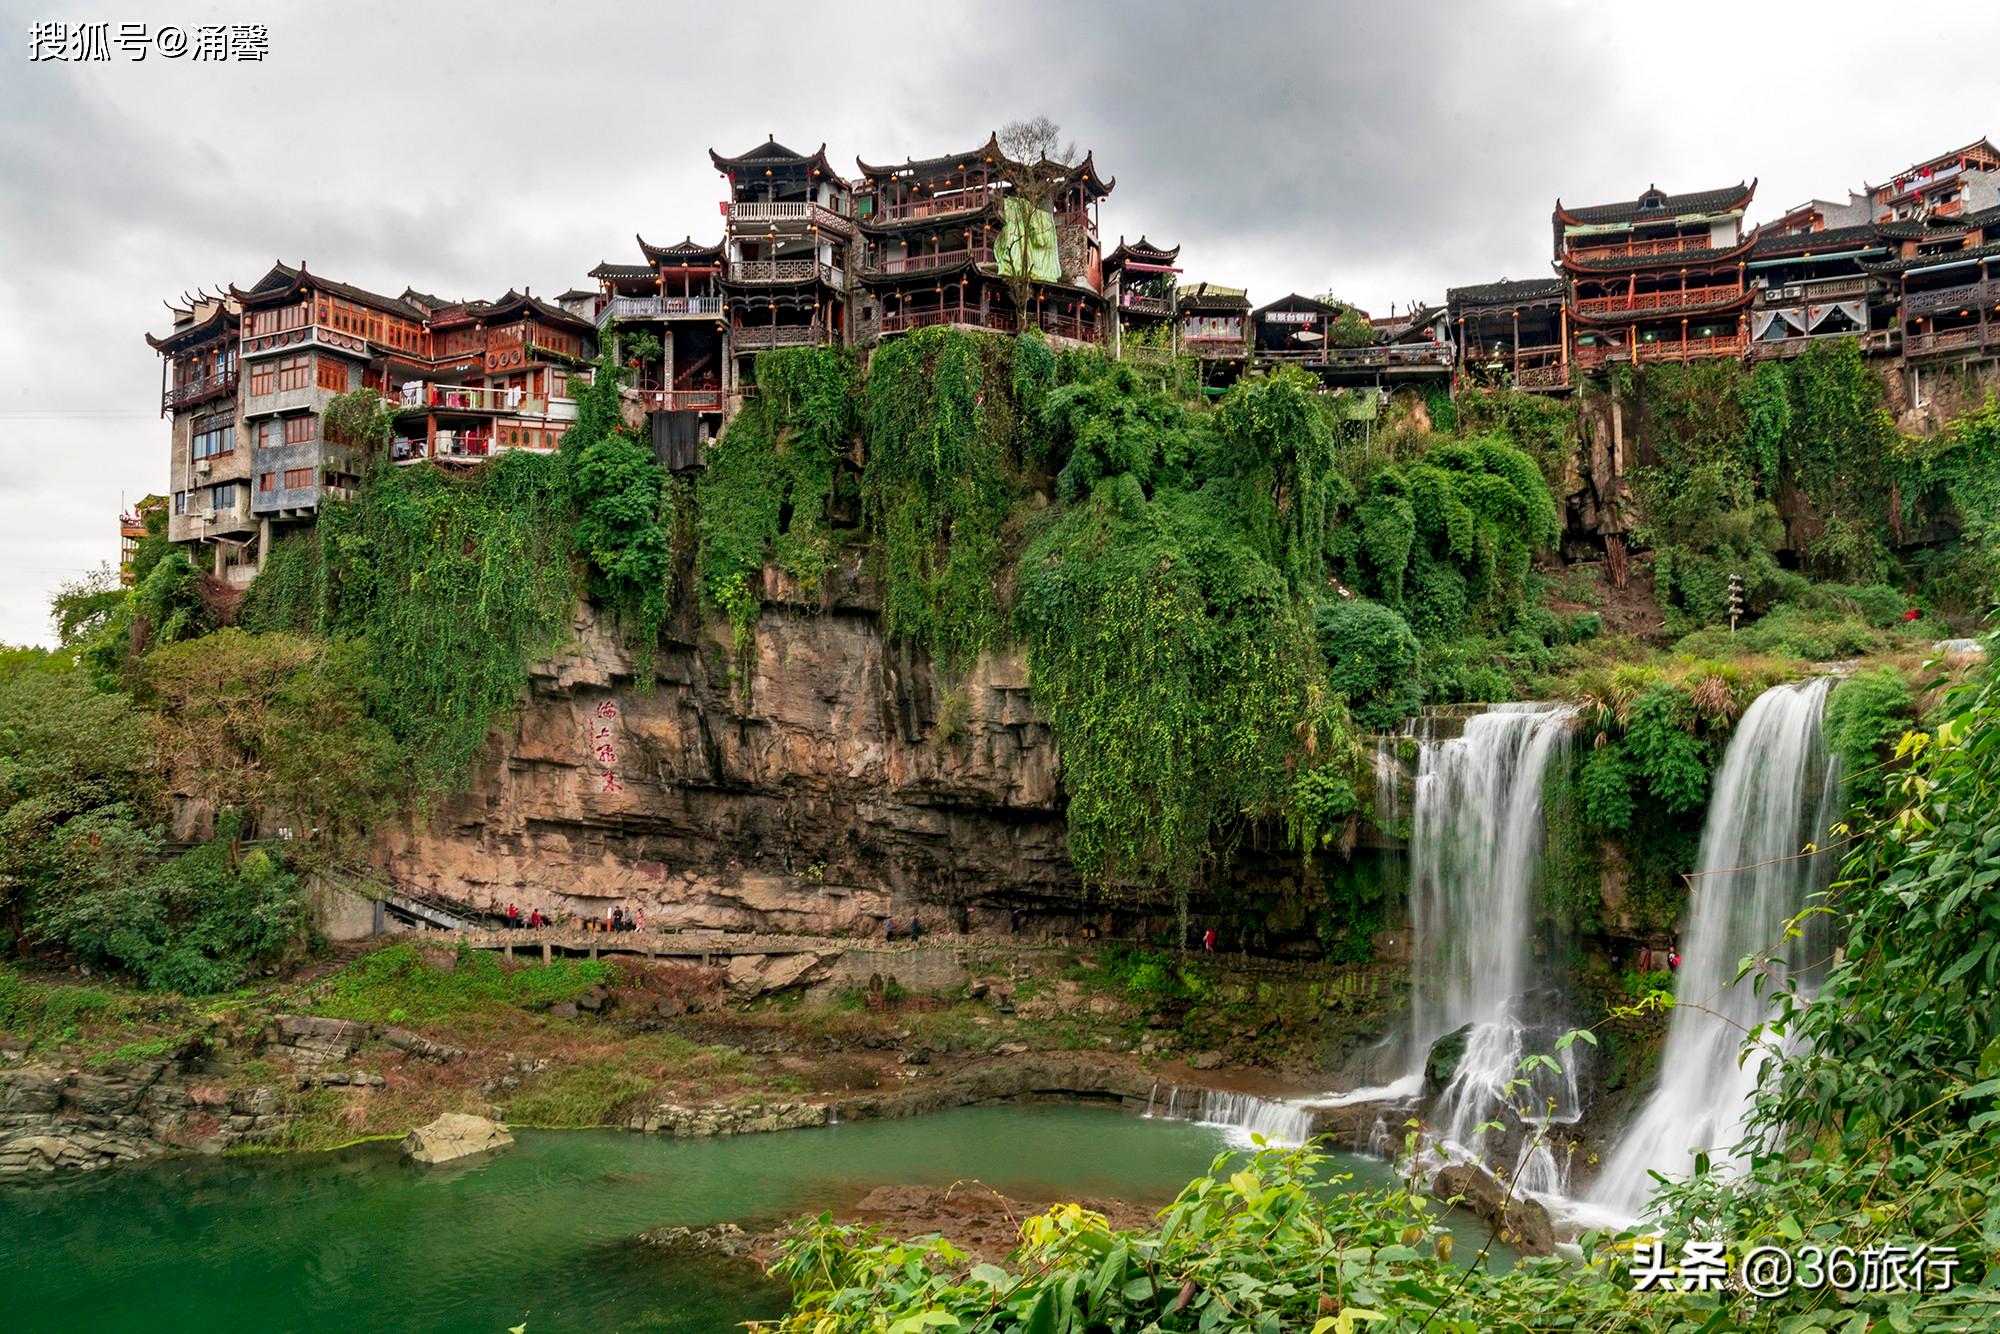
point(1475, 865)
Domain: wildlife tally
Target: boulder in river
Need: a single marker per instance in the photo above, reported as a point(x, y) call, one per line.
point(453, 1136)
point(1521, 1222)
point(1441, 1062)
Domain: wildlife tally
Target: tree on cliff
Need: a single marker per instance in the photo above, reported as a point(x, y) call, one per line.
point(1037, 162)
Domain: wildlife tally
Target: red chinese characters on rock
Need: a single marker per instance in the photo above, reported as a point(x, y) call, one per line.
point(598, 740)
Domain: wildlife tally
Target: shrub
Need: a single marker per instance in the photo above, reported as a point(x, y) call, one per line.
point(1865, 715)
point(1371, 657)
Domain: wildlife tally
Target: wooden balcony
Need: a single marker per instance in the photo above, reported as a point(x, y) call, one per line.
point(941, 259)
point(1970, 338)
point(776, 271)
point(1967, 296)
point(465, 398)
point(1136, 304)
point(762, 337)
point(681, 400)
point(999, 321)
point(190, 392)
point(1636, 249)
point(1215, 345)
point(786, 216)
point(938, 206)
point(1552, 376)
point(444, 445)
point(659, 308)
point(1387, 356)
point(1593, 355)
point(1689, 298)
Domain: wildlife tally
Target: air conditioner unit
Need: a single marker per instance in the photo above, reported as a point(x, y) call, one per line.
point(204, 466)
point(207, 515)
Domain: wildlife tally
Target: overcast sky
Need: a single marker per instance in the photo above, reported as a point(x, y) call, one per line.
point(1384, 151)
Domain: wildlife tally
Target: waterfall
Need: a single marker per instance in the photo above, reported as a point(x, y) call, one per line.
point(1773, 796)
point(1242, 1115)
point(1475, 860)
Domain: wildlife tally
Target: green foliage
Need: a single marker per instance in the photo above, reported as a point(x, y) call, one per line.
point(1865, 715)
point(395, 985)
point(361, 419)
point(1274, 457)
point(1958, 471)
point(771, 479)
point(83, 607)
point(1371, 658)
point(624, 511)
point(457, 584)
point(73, 774)
point(279, 723)
point(198, 923)
point(289, 593)
point(593, 1093)
point(937, 486)
point(1541, 427)
point(1447, 539)
point(1731, 447)
point(1607, 785)
point(1659, 736)
point(1351, 329)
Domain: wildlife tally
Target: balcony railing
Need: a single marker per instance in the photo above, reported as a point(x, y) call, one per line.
point(979, 254)
point(788, 214)
point(467, 398)
point(1951, 340)
point(783, 271)
point(190, 392)
point(1690, 298)
point(1140, 304)
point(1388, 355)
point(1554, 376)
point(658, 307)
point(1968, 296)
point(1664, 349)
point(938, 206)
point(1001, 321)
point(1637, 249)
point(757, 337)
point(681, 400)
point(1788, 294)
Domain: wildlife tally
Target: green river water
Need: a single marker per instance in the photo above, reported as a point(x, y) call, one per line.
point(360, 1240)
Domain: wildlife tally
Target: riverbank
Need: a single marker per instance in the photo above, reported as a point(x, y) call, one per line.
point(394, 1036)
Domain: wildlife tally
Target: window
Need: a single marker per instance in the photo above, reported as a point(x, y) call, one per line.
point(267, 433)
point(266, 482)
point(223, 497)
point(261, 378)
point(294, 372)
point(298, 477)
point(180, 502)
point(299, 429)
point(215, 436)
point(333, 374)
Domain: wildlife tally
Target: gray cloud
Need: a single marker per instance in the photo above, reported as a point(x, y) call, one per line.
point(1385, 151)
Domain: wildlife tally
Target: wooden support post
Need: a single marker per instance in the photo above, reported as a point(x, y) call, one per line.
point(508, 950)
point(593, 949)
point(547, 953)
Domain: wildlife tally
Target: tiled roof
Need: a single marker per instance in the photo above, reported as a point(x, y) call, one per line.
point(1655, 203)
point(1508, 291)
point(1211, 296)
point(1827, 238)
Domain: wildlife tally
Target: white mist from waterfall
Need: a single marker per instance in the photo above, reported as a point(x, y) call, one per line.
point(1773, 796)
point(1475, 860)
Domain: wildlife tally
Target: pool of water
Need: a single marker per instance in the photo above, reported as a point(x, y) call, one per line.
point(541, 1234)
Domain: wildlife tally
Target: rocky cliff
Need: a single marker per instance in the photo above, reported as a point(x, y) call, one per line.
point(817, 782)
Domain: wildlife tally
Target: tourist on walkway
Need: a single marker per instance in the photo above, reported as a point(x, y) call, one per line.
point(513, 917)
point(1208, 941)
point(916, 928)
point(888, 928)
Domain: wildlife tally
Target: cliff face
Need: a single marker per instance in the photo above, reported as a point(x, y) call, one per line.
point(828, 781)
